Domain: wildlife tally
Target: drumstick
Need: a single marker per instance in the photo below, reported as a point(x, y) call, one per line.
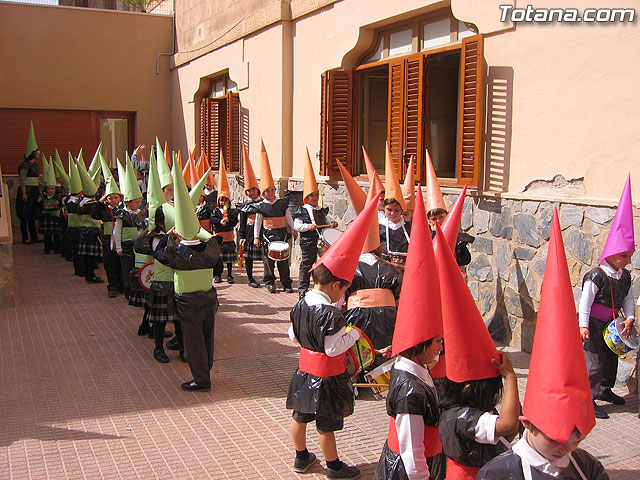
point(323, 226)
point(372, 385)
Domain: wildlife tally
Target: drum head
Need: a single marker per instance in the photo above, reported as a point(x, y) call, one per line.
point(633, 341)
point(145, 275)
point(330, 235)
point(278, 246)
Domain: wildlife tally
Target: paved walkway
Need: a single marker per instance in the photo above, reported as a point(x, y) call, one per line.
point(82, 397)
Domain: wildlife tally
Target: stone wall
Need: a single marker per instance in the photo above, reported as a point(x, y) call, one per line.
point(509, 252)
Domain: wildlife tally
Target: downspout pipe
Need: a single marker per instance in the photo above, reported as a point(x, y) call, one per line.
point(173, 40)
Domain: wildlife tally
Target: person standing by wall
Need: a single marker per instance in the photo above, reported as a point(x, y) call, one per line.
point(29, 198)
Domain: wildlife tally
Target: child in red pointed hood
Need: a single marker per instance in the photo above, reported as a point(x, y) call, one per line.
point(558, 410)
point(470, 427)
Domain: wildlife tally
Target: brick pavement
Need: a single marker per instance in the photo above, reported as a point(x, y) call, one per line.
point(82, 396)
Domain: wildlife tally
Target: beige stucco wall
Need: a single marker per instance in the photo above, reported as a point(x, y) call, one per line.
point(82, 59)
point(575, 102)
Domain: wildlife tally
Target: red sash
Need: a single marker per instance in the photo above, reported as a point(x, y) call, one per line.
point(226, 236)
point(455, 471)
point(432, 444)
point(320, 364)
point(206, 224)
point(251, 219)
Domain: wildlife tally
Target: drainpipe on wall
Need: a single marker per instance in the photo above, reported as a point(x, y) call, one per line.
point(173, 40)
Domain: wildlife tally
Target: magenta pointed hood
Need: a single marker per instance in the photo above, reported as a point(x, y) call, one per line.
point(620, 237)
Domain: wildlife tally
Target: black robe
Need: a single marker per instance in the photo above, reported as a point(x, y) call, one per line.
point(508, 466)
point(408, 394)
point(310, 237)
point(457, 434)
point(398, 239)
point(271, 210)
point(377, 322)
point(332, 397)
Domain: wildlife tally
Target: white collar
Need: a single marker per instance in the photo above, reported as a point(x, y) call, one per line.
point(368, 258)
point(269, 201)
point(316, 297)
point(190, 242)
point(403, 363)
point(529, 456)
point(208, 192)
point(610, 271)
point(135, 212)
point(394, 226)
point(311, 207)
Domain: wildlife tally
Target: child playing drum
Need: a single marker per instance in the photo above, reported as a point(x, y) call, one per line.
point(320, 389)
point(307, 222)
point(606, 290)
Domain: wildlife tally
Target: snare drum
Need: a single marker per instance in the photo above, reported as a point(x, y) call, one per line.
point(279, 251)
point(145, 275)
point(380, 375)
point(398, 259)
point(361, 355)
point(328, 236)
point(615, 341)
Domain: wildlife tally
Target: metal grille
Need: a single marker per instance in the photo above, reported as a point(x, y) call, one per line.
point(156, 7)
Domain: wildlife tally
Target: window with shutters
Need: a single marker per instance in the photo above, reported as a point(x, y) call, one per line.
point(220, 124)
point(419, 87)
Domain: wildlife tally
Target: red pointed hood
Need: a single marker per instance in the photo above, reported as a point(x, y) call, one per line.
point(342, 257)
point(558, 397)
point(469, 347)
point(420, 288)
point(451, 224)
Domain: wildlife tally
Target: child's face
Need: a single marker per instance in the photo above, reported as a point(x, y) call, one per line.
point(253, 193)
point(168, 192)
point(433, 350)
point(223, 201)
point(208, 186)
point(138, 174)
point(336, 291)
point(134, 204)
point(312, 199)
point(51, 190)
point(393, 212)
point(437, 218)
point(619, 260)
point(548, 448)
point(270, 194)
point(113, 199)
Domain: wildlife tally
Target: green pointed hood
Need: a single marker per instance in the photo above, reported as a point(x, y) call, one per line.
point(95, 163)
point(197, 190)
point(89, 188)
point(106, 171)
point(75, 183)
point(48, 175)
point(155, 197)
point(121, 174)
point(187, 224)
point(163, 167)
point(97, 178)
point(112, 186)
point(60, 171)
point(32, 145)
point(130, 186)
point(170, 222)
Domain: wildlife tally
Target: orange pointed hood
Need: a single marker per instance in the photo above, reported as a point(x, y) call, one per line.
point(250, 180)
point(420, 288)
point(310, 183)
point(373, 237)
point(223, 183)
point(356, 194)
point(266, 178)
point(451, 224)
point(342, 257)
point(558, 396)
point(469, 346)
point(391, 183)
point(408, 187)
point(371, 172)
point(434, 195)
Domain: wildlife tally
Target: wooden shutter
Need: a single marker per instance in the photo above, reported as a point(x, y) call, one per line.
point(209, 130)
point(471, 110)
point(233, 148)
point(336, 120)
point(404, 126)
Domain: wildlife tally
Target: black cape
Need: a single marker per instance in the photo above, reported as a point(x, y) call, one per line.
point(331, 397)
point(508, 466)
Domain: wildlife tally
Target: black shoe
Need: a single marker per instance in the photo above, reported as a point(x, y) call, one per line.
point(254, 284)
point(230, 279)
point(112, 294)
point(160, 356)
point(346, 472)
point(27, 242)
point(301, 466)
point(288, 290)
point(193, 386)
point(94, 279)
point(218, 279)
point(143, 329)
point(599, 412)
point(608, 396)
point(271, 288)
point(173, 344)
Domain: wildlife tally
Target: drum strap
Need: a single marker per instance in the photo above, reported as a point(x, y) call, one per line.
point(320, 364)
point(371, 297)
point(613, 305)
